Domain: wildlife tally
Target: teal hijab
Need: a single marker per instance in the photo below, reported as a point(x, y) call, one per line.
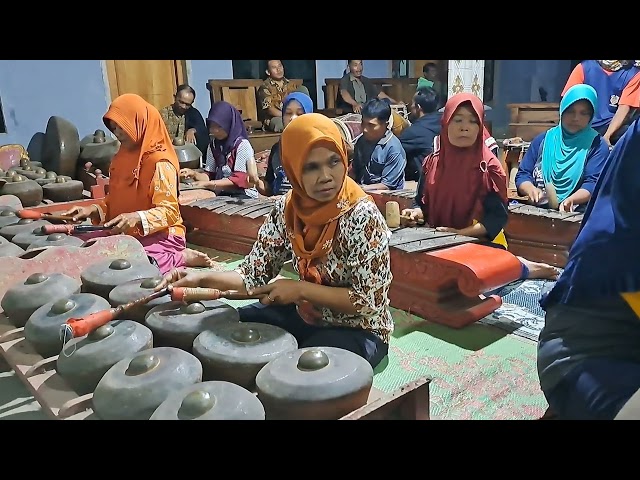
point(564, 154)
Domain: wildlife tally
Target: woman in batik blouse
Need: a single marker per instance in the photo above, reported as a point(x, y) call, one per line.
point(338, 241)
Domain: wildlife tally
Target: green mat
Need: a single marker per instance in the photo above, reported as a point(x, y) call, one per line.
point(479, 372)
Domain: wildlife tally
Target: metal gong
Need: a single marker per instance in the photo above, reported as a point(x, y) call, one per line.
point(235, 352)
point(24, 298)
point(314, 383)
point(177, 324)
point(135, 290)
point(102, 277)
point(85, 360)
point(27, 237)
point(42, 329)
point(136, 386)
point(9, 249)
point(210, 401)
point(22, 225)
point(56, 240)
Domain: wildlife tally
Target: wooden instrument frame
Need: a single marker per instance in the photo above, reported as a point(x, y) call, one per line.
point(446, 285)
point(540, 238)
point(546, 239)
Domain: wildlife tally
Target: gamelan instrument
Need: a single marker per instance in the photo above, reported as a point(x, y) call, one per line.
point(316, 383)
point(143, 381)
point(236, 352)
point(542, 235)
point(23, 299)
point(210, 401)
point(438, 275)
point(84, 361)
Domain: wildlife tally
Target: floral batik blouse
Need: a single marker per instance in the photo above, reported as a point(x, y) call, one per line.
point(358, 260)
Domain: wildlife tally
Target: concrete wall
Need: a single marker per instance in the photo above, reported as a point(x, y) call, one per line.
point(34, 90)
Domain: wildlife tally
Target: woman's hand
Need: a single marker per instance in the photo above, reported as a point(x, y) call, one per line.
point(80, 213)
point(280, 292)
point(447, 229)
point(181, 278)
point(206, 184)
point(536, 195)
point(186, 173)
point(123, 222)
point(567, 206)
point(410, 217)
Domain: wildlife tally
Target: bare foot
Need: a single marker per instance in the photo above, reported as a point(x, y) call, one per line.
point(540, 270)
point(194, 258)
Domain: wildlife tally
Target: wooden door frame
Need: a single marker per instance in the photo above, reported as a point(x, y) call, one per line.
point(112, 79)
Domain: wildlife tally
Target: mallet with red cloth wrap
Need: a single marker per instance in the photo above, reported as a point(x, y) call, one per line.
point(69, 229)
point(78, 327)
point(35, 215)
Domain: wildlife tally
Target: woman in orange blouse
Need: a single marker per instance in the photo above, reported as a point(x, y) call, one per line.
point(143, 187)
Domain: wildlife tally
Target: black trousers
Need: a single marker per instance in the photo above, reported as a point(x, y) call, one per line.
point(363, 343)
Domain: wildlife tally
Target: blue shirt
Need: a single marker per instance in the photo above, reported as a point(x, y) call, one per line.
point(385, 164)
point(586, 316)
point(609, 88)
point(530, 166)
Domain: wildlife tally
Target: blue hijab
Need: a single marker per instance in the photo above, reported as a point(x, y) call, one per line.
point(605, 258)
point(302, 98)
point(564, 154)
point(280, 182)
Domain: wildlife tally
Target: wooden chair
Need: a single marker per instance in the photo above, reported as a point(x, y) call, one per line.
point(531, 119)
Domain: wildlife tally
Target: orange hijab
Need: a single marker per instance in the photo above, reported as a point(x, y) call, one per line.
point(311, 224)
point(143, 123)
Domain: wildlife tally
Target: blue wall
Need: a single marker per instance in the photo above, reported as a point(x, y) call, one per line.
point(34, 90)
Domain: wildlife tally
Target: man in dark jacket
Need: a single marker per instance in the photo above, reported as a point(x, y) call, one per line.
point(183, 120)
point(417, 140)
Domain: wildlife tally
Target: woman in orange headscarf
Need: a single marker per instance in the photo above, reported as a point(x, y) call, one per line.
point(338, 241)
point(462, 188)
point(143, 187)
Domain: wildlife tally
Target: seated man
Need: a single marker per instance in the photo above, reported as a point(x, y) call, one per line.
point(272, 92)
point(184, 121)
point(355, 89)
point(379, 160)
point(430, 79)
point(417, 139)
point(589, 348)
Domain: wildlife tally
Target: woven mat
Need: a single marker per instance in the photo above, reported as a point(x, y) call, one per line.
point(479, 372)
